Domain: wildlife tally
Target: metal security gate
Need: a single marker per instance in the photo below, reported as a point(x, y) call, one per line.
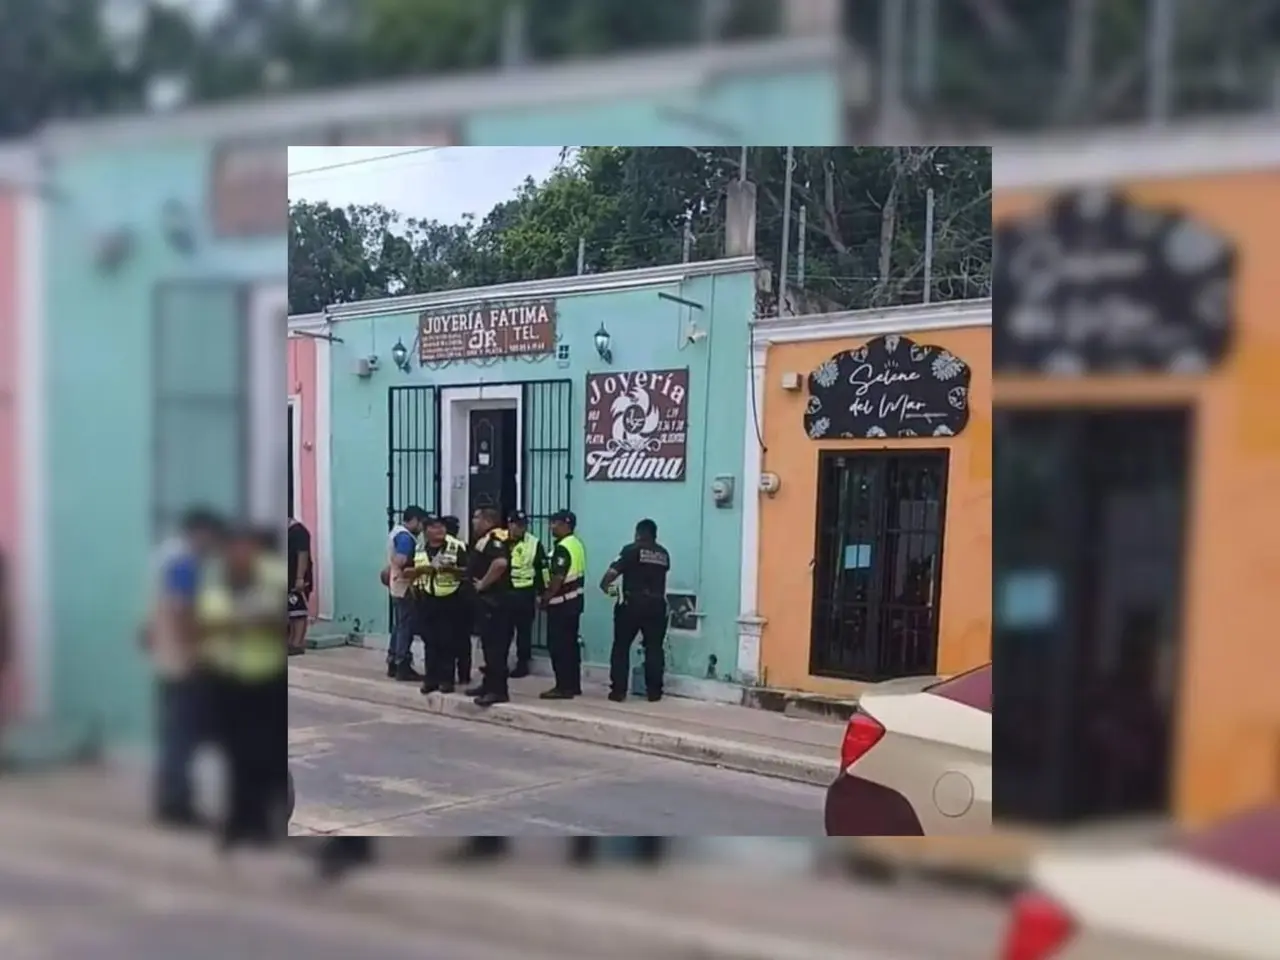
point(878, 564)
point(413, 444)
point(546, 460)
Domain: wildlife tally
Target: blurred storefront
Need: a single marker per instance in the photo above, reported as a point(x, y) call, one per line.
point(1139, 546)
point(873, 460)
point(164, 299)
point(616, 396)
point(20, 483)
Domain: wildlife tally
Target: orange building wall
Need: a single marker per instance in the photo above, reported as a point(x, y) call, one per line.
point(789, 518)
point(1229, 725)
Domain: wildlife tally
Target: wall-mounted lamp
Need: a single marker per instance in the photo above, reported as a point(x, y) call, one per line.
point(112, 249)
point(400, 355)
point(177, 226)
point(602, 344)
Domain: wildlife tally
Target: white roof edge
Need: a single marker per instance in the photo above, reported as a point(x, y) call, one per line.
point(949, 315)
point(1139, 153)
point(665, 275)
point(307, 322)
point(440, 100)
point(19, 163)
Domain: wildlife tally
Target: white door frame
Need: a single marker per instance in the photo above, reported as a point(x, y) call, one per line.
point(295, 452)
point(455, 440)
point(267, 361)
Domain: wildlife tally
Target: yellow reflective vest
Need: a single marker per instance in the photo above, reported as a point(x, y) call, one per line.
point(574, 584)
point(435, 582)
point(248, 654)
point(524, 553)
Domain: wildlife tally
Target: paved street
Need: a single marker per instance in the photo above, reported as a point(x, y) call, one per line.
point(364, 768)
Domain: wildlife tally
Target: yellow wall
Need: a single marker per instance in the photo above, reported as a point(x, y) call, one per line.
point(789, 518)
point(1229, 724)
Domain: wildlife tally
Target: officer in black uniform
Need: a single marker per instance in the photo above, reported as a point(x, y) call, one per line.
point(643, 566)
point(466, 615)
point(528, 575)
point(489, 571)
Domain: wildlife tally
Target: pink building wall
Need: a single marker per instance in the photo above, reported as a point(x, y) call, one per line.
point(302, 388)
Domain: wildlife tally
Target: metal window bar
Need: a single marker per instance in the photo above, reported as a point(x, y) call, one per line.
point(875, 612)
point(546, 460)
point(174, 406)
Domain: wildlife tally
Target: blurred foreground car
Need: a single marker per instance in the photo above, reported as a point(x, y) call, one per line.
point(916, 760)
point(1214, 895)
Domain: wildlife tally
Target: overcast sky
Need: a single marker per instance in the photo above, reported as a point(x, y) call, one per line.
point(438, 184)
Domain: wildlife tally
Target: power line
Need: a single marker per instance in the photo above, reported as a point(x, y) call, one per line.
point(356, 163)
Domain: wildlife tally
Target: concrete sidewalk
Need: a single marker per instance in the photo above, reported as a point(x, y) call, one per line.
point(737, 738)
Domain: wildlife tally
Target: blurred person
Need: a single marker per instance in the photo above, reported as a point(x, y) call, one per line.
point(243, 641)
point(489, 572)
point(643, 566)
point(439, 612)
point(301, 583)
point(467, 620)
point(339, 855)
point(528, 572)
point(563, 600)
point(181, 688)
point(402, 547)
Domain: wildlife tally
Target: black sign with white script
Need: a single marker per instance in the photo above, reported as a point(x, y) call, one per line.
point(889, 387)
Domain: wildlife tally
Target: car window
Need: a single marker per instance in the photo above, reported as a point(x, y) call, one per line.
point(1247, 844)
point(972, 688)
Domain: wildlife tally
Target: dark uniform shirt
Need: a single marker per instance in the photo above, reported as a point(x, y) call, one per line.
point(644, 570)
point(560, 564)
point(300, 543)
point(486, 550)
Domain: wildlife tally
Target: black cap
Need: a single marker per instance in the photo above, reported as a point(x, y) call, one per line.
point(564, 516)
point(434, 520)
point(518, 516)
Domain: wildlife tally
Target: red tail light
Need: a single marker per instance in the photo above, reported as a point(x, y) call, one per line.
point(863, 733)
point(1040, 929)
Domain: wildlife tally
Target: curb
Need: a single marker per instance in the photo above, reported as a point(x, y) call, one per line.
point(601, 731)
point(998, 882)
point(449, 903)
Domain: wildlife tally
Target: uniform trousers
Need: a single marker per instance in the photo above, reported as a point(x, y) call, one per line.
point(493, 620)
point(252, 720)
point(562, 645)
point(446, 633)
point(649, 620)
point(524, 607)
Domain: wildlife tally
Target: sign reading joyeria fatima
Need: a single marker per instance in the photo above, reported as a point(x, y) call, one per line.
point(889, 387)
point(637, 425)
point(487, 330)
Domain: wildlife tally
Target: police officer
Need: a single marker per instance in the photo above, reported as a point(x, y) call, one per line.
point(239, 618)
point(528, 570)
point(438, 566)
point(490, 574)
point(466, 619)
point(563, 601)
point(643, 566)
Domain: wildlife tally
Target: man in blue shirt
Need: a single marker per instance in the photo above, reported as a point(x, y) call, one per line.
point(402, 545)
point(171, 641)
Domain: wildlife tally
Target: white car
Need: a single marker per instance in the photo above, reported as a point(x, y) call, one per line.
point(1212, 895)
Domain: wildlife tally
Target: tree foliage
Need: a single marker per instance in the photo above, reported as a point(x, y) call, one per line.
point(864, 237)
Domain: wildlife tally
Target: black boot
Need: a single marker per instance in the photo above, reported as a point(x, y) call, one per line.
point(406, 673)
point(521, 670)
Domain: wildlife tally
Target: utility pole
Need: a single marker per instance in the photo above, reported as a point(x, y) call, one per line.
point(1161, 30)
point(926, 50)
point(582, 255)
point(687, 250)
point(800, 248)
point(928, 244)
point(786, 232)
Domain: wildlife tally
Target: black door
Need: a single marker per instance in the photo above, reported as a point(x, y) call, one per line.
point(877, 564)
point(493, 461)
point(1087, 558)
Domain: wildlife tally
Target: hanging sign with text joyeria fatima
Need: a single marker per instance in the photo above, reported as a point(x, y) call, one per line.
point(485, 331)
point(889, 387)
point(637, 425)
point(1099, 284)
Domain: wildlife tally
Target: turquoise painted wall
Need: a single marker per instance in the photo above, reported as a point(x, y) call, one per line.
point(705, 541)
point(757, 110)
point(100, 379)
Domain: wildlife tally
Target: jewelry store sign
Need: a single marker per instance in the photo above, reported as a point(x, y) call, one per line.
point(487, 330)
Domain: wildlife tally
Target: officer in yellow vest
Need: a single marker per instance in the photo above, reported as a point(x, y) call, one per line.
point(563, 601)
point(240, 619)
point(440, 612)
point(528, 576)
